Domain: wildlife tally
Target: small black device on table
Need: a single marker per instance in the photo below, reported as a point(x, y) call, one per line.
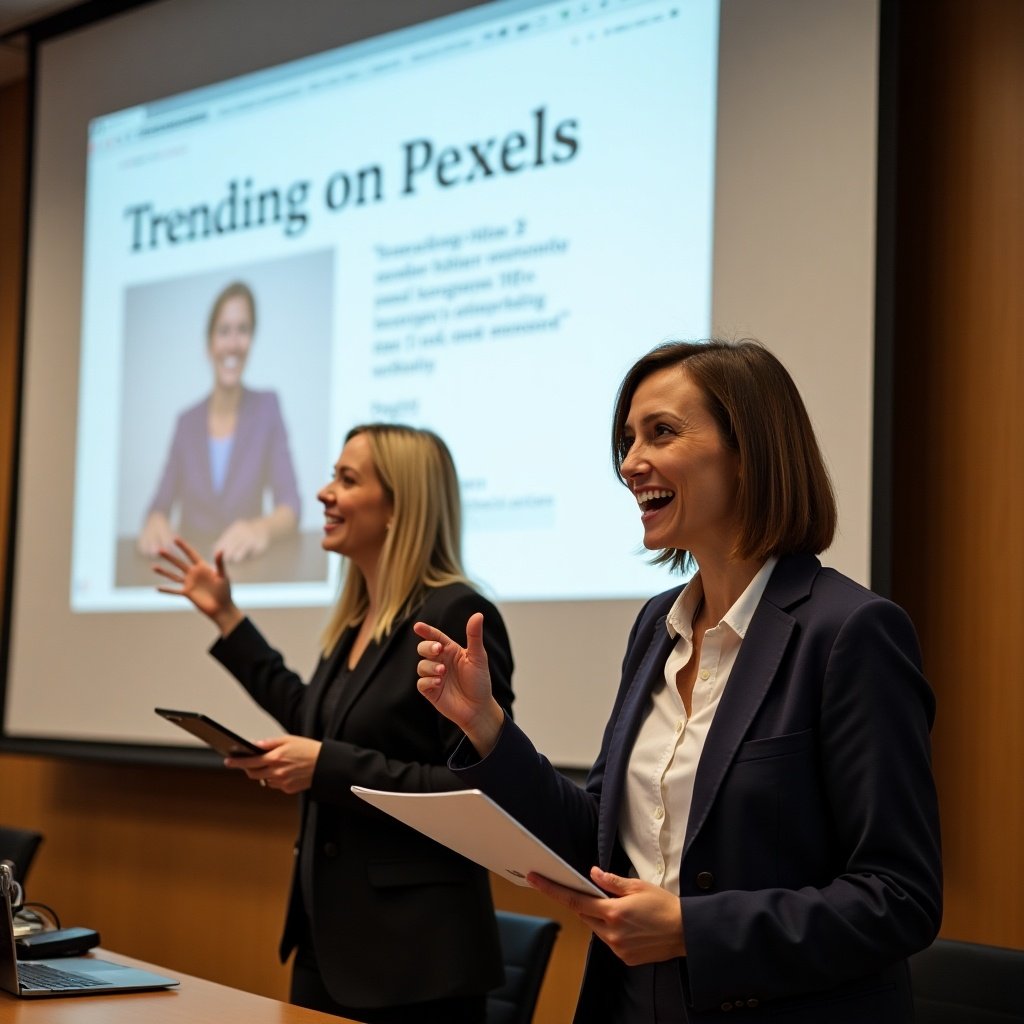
point(56, 942)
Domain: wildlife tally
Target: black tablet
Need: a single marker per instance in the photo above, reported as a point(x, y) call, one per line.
point(213, 734)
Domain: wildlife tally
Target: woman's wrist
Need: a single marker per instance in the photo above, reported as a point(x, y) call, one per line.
point(228, 619)
point(485, 729)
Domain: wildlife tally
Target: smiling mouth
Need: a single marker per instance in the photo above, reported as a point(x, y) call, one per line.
point(652, 500)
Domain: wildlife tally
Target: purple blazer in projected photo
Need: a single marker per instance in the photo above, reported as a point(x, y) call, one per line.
point(259, 461)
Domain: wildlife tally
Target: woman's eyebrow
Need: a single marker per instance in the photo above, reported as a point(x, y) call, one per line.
point(653, 417)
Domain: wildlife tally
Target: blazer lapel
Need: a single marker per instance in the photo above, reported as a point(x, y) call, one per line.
point(627, 724)
point(756, 664)
point(363, 677)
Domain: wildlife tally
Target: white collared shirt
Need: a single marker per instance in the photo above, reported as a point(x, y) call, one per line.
point(664, 759)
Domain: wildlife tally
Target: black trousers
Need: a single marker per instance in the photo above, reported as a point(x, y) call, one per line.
point(308, 990)
point(651, 994)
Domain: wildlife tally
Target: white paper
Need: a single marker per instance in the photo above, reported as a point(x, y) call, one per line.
point(471, 823)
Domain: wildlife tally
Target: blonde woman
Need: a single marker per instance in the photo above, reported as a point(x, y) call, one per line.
point(387, 925)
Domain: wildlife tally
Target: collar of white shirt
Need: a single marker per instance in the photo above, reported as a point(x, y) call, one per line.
point(679, 621)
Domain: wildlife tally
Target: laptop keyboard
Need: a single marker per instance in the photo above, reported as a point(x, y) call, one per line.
point(50, 979)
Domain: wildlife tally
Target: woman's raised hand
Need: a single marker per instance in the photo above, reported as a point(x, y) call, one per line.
point(457, 682)
point(206, 586)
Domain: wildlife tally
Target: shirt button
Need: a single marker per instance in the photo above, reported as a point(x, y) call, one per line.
point(726, 1006)
point(752, 1003)
point(659, 813)
point(705, 674)
point(705, 880)
point(679, 727)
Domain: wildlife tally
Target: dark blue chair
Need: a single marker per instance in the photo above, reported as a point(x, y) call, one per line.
point(967, 983)
point(526, 944)
point(19, 845)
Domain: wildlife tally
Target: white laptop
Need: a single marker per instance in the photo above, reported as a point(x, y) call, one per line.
point(66, 976)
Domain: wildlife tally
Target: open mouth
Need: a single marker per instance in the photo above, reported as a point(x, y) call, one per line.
point(652, 500)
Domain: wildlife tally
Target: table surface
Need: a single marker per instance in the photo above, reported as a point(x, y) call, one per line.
point(194, 1001)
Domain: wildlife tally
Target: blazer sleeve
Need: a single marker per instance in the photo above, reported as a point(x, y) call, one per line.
point(342, 764)
point(262, 671)
point(885, 902)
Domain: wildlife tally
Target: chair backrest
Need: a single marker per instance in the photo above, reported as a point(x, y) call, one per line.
point(526, 944)
point(954, 982)
point(19, 845)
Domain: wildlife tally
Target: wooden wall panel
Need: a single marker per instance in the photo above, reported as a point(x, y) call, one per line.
point(182, 867)
point(12, 182)
point(959, 453)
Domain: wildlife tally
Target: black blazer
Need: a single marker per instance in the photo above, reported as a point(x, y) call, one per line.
point(396, 918)
point(811, 867)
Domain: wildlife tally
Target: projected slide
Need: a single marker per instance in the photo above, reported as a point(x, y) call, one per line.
point(474, 225)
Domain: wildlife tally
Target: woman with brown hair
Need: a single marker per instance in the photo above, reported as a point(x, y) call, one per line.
point(762, 811)
point(388, 925)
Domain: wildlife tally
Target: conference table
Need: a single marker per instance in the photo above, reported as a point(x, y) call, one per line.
point(194, 1001)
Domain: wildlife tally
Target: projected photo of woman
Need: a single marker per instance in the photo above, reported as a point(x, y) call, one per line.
point(229, 452)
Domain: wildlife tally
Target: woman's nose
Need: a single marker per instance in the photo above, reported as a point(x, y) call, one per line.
point(632, 464)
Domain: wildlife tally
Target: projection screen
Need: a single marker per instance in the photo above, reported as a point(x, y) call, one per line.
point(468, 219)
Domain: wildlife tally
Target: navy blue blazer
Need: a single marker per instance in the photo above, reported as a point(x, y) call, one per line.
point(811, 865)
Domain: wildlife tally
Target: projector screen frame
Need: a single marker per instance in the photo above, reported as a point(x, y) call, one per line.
point(880, 519)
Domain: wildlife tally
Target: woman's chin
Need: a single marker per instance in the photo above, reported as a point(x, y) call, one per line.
point(653, 541)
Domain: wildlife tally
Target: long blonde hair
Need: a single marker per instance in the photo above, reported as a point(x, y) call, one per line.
point(423, 547)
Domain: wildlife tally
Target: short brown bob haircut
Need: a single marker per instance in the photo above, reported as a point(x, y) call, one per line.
point(785, 498)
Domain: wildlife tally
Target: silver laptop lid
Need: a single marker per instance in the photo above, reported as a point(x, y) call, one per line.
point(8, 953)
